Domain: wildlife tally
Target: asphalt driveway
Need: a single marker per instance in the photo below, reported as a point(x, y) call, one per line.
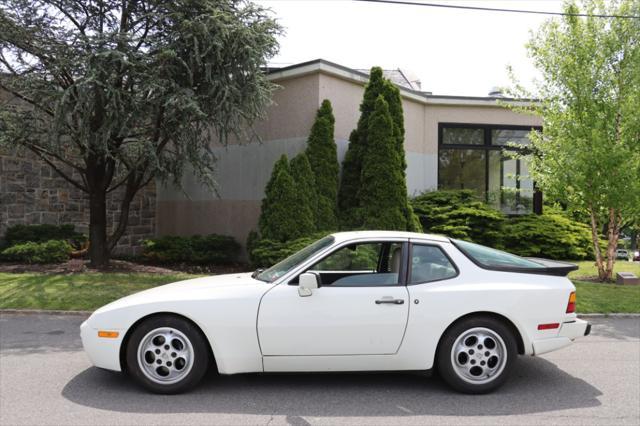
point(45, 378)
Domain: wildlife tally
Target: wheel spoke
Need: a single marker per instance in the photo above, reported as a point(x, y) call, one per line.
point(165, 355)
point(478, 355)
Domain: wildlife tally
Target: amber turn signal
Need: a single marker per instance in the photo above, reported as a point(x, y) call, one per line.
point(108, 334)
point(571, 306)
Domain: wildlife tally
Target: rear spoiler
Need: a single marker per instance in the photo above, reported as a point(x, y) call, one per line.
point(551, 267)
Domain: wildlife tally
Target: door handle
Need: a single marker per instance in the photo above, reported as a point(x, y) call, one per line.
point(392, 301)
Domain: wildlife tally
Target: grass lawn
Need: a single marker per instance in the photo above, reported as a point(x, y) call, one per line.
point(588, 268)
point(75, 292)
point(89, 291)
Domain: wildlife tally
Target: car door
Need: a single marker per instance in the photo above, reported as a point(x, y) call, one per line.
point(360, 308)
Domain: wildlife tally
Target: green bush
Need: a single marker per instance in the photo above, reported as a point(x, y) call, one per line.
point(265, 253)
point(552, 236)
point(459, 214)
point(52, 251)
point(18, 234)
point(196, 250)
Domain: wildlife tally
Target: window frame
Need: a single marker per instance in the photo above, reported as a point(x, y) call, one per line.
point(402, 275)
point(487, 147)
point(439, 247)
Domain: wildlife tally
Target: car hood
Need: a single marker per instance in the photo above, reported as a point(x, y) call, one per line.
point(198, 288)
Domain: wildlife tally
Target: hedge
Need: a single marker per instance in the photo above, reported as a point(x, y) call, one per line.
point(197, 250)
point(18, 234)
point(459, 214)
point(52, 251)
point(551, 236)
point(265, 253)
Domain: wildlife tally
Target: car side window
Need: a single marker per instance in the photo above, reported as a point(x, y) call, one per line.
point(361, 265)
point(429, 263)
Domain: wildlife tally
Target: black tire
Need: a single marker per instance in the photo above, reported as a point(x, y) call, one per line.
point(450, 368)
point(201, 359)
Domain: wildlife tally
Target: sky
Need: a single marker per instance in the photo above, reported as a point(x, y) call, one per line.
point(452, 52)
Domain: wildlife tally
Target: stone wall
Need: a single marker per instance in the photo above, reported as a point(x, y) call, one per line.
point(31, 192)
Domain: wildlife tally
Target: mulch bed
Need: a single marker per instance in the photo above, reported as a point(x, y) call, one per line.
point(121, 266)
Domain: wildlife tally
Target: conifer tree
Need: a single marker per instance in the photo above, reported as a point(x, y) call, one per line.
point(307, 187)
point(351, 206)
point(322, 154)
point(285, 213)
point(382, 195)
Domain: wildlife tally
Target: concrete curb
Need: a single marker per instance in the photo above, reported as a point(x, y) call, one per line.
point(44, 312)
point(87, 313)
point(609, 315)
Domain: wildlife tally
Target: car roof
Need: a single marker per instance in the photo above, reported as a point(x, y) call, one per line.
point(346, 236)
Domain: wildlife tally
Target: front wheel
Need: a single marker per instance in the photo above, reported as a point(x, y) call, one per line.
point(167, 354)
point(476, 355)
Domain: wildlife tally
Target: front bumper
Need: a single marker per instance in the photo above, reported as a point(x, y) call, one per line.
point(103, 353)
point(567, 334)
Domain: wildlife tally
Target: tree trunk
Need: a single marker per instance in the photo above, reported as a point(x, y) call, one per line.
point(596, 245)
point(98, 249)
point(613, 233)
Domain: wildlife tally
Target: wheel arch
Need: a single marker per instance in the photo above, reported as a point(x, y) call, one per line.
point(514, 329)
point(127, 336)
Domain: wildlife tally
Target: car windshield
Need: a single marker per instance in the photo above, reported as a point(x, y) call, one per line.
point(492, 258)
point(281, 268)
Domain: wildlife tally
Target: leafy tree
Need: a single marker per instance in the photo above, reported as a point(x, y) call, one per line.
point(588, 156)
point(306, 186)
point(323, 157)
point(285, 213)
point(115, 94)
point(383, 193)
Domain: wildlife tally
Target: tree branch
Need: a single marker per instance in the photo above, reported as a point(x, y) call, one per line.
point(58, 170)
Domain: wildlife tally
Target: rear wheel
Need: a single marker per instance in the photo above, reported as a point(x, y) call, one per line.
point(476, 355)
point(167, 354)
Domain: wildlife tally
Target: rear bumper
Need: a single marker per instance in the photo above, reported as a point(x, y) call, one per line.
point(567, 334)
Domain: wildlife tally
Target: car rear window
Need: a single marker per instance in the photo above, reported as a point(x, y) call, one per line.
point(495, 259)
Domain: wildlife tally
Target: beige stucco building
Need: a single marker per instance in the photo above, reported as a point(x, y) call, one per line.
point(450, 142)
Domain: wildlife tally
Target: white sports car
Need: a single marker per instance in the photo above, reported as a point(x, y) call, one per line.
point(353, 301)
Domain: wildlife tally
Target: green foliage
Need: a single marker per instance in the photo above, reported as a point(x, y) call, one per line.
point(459, 214)
point(363, 257)
point(383, 192)
point(307, 189)
point(323, 157)
point(125, 92)
point(266, 252)
point(196, 250)
point(588, 156)
point(52, 251)
point(354, 210)
point(551, 236)
point(286, 214)
point(17, 234)
point(349, 184)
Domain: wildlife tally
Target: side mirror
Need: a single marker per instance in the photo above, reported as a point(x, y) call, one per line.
point(307, 283)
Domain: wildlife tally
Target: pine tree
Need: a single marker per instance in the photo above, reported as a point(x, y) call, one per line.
point(352, 166)
point(383, 193)
point(322, 154)
point(307, 188)
point(285, 213)
point(349, 204)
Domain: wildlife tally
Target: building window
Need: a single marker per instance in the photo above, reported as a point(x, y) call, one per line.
point(480, 158)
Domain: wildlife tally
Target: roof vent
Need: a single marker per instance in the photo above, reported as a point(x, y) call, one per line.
point(496, 92)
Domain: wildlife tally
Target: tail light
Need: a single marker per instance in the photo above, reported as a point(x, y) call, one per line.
point(571, 306)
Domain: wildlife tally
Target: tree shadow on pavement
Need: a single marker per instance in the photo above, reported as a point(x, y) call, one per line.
point(537, 385)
